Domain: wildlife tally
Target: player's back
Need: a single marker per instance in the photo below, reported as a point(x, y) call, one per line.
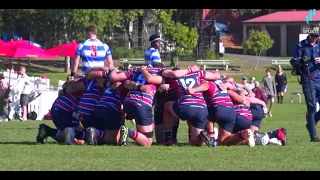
point(191, 80)
point(215, 96)
point(138, 96)
point(67, 102)
point(89, 98)
point(111, 98)
point(243, 111)
point(93, 53)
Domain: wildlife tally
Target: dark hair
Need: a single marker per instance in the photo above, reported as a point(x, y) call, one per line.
point(92, 29)
point(268, 70)
point(176, 68)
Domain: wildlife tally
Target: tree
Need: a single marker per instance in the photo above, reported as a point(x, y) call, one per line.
point(185, 38)
point(258, 42)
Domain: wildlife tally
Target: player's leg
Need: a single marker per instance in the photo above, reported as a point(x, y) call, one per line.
point(197, 117)
point(109, 120)
point(169, 117)
point(144, 123)
point(61, 121)
point(158, 122)
point(225, 118)
point(77, 134)
point(257, 116)
point(242, 133)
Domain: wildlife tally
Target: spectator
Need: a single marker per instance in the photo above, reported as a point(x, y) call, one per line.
point(259, 92)
point(10, 68)
point(4, 95)
point(251, 85)
point(269, 87)
point(24, 84)
point(281, 84)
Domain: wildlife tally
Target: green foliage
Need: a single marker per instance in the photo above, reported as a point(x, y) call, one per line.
point(184, 37)
point(119, 52)
point(211, 55)
point(258, 42)
point(245, 11)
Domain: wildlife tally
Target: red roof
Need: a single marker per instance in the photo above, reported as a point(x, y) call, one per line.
point(284, 16)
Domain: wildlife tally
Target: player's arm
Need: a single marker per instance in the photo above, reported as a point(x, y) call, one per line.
point(179, 73)
point(108, 62)
point(211, 76)
point(254, 100)
point(246, 88)
point(150, 78)
point(122, 76)
point(203, 87)
point(131, 85)
point(238, 99)
point(95, 73)
point(76, 60)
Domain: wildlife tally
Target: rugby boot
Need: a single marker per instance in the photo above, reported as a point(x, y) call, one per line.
point(261, 138)
point(69, 134)
point(42, 135)
point(248, 136)
point(205, 137)
point(282, 136)
point(123, 136)
point(91, 138)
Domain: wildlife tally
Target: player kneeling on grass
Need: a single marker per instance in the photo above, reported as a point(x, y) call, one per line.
point(189, 107)
point(138, 105)
point(62, 114)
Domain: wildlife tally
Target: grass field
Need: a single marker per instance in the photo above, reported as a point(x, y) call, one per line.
point(18, 150)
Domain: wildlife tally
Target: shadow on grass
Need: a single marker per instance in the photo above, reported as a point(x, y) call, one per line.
point(24, 143)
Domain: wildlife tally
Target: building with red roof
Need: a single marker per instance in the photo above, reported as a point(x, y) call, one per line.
point(284, 28)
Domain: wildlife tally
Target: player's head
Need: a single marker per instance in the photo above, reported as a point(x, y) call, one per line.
point(91, 31)
point(155, 41)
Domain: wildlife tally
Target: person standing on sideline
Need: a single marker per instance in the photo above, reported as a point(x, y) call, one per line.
point(152, 55)
point(306, 61)
point(93, 52)
point(259, 94)
point(281, 84)
point(269, 87)
point(24, 84)
point(251, 84)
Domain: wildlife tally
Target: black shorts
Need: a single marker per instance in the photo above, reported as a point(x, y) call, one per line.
point(24, 99)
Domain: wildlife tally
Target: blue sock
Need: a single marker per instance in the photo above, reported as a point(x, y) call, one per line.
point(273, 134)
point(175, 132)
point(132, 134)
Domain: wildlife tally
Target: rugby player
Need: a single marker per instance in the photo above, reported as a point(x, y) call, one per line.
point(189, 107)
point(108, 112)
point(275, 137)
point(62, 114)
point(93, 52)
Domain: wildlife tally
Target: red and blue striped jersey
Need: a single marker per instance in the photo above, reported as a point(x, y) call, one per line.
point(214, 96)
point(67, 102)
point(191, 80)
point(113, 98)
point(138, 97)
point(90, 98)
point(243, 111)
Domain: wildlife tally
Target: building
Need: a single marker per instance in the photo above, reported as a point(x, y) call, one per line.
point(284, 28)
